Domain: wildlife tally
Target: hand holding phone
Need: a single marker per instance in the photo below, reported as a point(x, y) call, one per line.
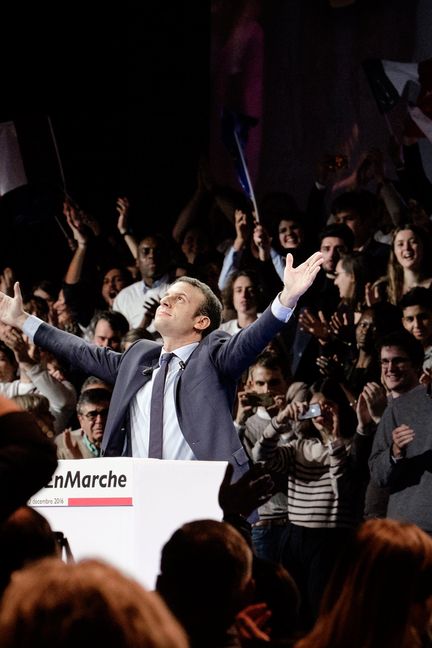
point(313, 411)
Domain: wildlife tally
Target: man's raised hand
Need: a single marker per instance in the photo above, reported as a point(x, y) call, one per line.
point(11, 308)
point(298, 280)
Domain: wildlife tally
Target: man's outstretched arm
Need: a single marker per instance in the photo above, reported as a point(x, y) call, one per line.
point(100, 361)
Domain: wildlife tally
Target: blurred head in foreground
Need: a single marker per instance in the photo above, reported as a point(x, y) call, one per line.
point(51, 604)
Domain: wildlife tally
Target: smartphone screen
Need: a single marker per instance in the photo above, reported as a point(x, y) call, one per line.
point(313, 411)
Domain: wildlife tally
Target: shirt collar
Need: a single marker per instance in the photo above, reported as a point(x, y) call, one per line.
point(184, 352)
point(157, 283)
point(91, 446)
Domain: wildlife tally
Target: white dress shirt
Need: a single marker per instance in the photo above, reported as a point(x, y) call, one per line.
point(175, 445)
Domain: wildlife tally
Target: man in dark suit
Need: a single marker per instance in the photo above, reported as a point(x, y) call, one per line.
point(202, 373)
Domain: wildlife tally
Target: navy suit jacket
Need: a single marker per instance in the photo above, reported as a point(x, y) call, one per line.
point(205, 389)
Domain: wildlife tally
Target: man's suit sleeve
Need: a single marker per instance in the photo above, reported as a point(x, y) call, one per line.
point(90, 358)
point(233, 355)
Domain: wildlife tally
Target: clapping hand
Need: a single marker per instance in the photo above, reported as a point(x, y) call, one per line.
point(72, 445)
point(402, 437)
point(330, 367)
point(252, 621)
point(317, 326)
point(371, 404)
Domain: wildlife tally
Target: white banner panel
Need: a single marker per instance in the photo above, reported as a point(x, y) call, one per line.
point(123, 510)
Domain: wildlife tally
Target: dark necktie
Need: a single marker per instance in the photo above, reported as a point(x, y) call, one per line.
point(156, 408)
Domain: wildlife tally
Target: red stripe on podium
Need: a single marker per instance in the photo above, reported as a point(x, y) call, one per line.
point(100, 501)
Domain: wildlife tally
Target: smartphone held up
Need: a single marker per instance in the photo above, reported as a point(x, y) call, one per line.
point(313, 411)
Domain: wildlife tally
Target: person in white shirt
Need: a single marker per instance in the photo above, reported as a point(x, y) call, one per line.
point(137, 301)
point(242, 294)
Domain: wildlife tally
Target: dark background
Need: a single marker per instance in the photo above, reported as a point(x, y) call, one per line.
point(133, 92)
point(126, 89)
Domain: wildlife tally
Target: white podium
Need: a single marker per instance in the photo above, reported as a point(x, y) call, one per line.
point(123, 510)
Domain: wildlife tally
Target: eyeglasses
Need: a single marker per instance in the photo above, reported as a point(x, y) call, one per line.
point(93, 414)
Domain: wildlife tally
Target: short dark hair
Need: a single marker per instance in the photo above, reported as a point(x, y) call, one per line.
point(93, 397)
point(90, 381)
point(25, 536)
point(417, 297)
point(269, 360)
point(124, 272)
point(363, 203)
point(116, 320)
point(339, 230)
point(159, 238)
point(404, 340)
point(205, 571)
point(211, 306)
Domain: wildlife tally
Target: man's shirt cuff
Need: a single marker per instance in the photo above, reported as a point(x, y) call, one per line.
point(281, 312)
point(31, 325)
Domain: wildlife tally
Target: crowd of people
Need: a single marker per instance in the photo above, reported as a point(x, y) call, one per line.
point(167, 347)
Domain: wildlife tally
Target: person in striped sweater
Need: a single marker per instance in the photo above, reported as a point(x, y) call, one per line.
point(321, 481)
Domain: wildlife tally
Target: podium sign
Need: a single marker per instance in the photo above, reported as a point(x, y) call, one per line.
point(123, 510)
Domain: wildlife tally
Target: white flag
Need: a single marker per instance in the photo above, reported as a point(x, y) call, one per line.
point(12, 173)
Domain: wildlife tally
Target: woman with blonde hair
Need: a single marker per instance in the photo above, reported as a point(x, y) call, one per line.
point(39, 406)
point(410, 263)
point(380, 592)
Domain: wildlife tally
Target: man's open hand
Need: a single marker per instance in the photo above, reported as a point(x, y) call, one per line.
point(298, 280)
point(11, 308)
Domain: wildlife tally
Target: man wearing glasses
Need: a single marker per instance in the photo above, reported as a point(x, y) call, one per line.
point(401, 458)
point(92, 412)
